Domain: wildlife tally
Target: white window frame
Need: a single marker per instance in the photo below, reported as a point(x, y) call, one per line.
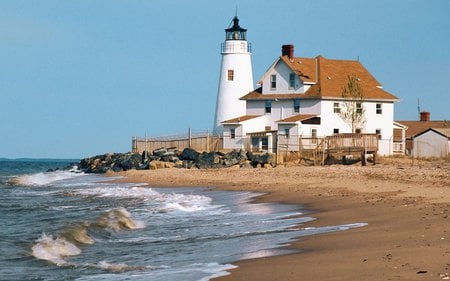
point(273, 82)
point(292, 80)
point(336, 107)
point(379, 108)
point(232, 133)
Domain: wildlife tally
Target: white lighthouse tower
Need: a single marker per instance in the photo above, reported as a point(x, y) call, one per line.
point(236, 77)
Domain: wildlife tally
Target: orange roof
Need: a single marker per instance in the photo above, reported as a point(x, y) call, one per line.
point(240, 119)
point(329, 76)
point(297, 118)
point(417, 127)
point(305, 68)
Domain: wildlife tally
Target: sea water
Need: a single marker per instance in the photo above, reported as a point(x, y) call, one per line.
point(64, 225)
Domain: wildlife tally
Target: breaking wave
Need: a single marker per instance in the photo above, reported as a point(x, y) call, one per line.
point(54, 249)
point(118, 219)
point(67, 243)
point(42, 179)
point(166, 202)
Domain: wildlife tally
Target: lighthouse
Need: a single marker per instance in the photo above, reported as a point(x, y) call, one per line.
point(236, 77)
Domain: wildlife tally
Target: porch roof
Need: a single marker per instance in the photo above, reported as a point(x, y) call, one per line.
point(261, 134)
point(239, 119)
point(297, 118)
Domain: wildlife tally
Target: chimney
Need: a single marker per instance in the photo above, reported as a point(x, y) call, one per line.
point(424, 116)
point(287, 50)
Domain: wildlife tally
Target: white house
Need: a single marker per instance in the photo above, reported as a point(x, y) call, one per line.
point(433, 142)
point(302, 98)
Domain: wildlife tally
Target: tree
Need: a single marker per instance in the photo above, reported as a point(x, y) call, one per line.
point(352, 111)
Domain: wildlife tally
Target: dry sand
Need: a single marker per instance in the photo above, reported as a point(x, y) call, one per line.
point(406, 207)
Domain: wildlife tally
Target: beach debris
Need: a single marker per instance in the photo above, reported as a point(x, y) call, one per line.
point(422, 272)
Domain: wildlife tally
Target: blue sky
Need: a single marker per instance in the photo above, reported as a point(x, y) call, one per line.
point(81, 77)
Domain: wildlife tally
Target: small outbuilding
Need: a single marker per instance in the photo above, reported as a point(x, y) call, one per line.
point(433, 142)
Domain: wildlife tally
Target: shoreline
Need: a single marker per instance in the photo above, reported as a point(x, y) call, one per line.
point(406, 207)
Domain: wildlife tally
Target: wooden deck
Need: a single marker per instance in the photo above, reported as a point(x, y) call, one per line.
point(352, 143)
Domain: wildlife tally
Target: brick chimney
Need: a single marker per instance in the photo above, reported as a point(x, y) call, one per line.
point(287, 50)
point(424, 116)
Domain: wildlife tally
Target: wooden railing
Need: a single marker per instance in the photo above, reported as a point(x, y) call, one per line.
point(352, 142)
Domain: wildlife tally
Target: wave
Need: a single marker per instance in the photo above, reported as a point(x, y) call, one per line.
point(117, 267)
point(54, 249)
point(118, 219)
point(162, 202)
point(78, 234)
point(43, 178)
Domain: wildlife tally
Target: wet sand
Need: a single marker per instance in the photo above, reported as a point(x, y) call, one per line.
point(406, 206)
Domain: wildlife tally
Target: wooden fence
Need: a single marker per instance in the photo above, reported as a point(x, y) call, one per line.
point(202, 141)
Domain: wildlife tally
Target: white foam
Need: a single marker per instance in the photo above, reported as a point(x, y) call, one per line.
point(183, 207)
point(167, 202)
point(54, 249)
point(118, 192)
point(42, 179)
point(117, 267)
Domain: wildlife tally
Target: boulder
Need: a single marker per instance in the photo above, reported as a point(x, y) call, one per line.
point(159, 152)
point(261, 159)
point(130, 161)
point(208, 160)
point(189, 154)
point(114, 162)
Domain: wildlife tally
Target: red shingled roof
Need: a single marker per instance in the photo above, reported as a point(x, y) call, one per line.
point(329, 77)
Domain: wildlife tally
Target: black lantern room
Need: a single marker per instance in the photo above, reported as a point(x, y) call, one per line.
point(236, 32)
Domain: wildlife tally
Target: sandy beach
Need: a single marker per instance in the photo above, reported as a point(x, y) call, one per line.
point(406, 206)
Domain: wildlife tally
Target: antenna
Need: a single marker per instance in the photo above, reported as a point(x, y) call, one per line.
point(235, 13)
point(418, 106)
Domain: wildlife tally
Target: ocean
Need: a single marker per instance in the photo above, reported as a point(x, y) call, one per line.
point(66, 225)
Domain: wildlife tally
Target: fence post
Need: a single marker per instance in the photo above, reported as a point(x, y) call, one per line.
point(207, 140)
point(278, 149)
point(190, 137)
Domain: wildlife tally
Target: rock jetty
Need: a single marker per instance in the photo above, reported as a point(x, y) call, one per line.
point(172, 158)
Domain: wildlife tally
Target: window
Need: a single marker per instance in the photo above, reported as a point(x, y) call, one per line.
point(379, 109)
point(291, 80)
point(273, 82)
point(268, 128)
point(268, 106)
point(335, 131)
point(233, 133)
point(230, 74)
point(336, 107)
point(359, 108)
point(297, 106)
point(314, 135)
point(378, 132)
point(286, 132)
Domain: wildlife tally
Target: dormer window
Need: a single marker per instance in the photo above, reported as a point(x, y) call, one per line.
point(291, 81)
point(273, 82)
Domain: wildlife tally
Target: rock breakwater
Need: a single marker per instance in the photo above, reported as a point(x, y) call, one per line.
point(172, 158)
